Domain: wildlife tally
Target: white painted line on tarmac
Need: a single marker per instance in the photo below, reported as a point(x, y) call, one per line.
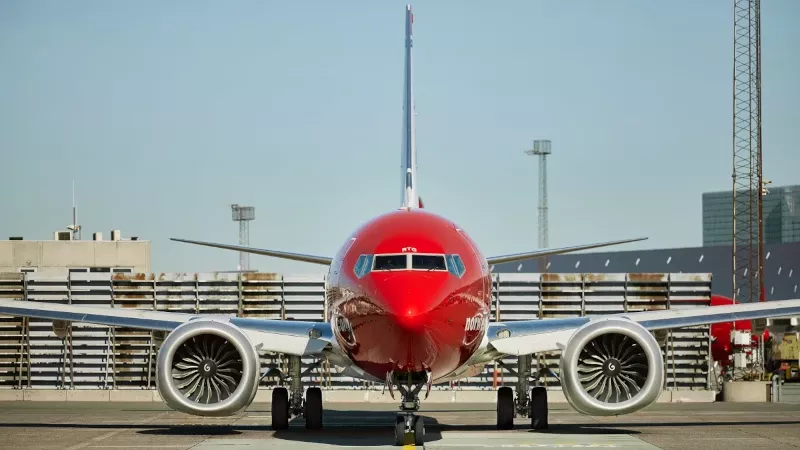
point(553, 445)
point(139, 446)
point(113, 433)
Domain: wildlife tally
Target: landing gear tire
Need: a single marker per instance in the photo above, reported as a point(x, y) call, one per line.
point(538, 407)
point(505, 408)
point(399, 431)
point(419, 431)
point(313, 408)
point(280, 408)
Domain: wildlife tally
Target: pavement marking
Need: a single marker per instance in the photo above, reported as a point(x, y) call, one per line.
point(516, 439)
point(534, 445)
point(94, 439)
point(112, 433)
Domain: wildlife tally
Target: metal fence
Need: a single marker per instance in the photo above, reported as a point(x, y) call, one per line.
point(100, 357)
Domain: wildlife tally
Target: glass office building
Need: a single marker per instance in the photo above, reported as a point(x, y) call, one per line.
point(781, 215)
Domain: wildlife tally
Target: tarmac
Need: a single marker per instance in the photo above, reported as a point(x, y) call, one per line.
point(140, 425)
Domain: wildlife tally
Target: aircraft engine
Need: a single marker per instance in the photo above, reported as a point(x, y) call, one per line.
point(207, 368)
point(611, 367)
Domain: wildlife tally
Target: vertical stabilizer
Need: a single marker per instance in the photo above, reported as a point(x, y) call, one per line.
point(409, 155)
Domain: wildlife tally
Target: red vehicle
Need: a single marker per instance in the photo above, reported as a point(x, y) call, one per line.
point(721, 345)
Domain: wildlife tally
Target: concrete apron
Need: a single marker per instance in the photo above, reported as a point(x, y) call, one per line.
point(367, 396)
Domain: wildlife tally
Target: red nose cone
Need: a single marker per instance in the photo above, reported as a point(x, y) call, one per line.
point(410, 296)
point(411, 301)
point(410, 320)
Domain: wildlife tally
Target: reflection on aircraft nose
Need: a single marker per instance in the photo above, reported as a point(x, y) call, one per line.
point(410, 303)
point(410, 319)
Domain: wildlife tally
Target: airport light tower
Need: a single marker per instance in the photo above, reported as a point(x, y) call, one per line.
point(541, 148)
point(243, 215)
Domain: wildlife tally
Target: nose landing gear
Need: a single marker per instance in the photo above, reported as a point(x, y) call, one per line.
point(411, 426)
point(408, 425)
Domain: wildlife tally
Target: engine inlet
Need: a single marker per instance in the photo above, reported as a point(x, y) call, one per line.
point(610, 367)
point(613, 368)
point(207, 369)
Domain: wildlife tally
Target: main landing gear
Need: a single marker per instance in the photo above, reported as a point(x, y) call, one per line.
point(406, 422)
point(285, 407)
point(534, 407)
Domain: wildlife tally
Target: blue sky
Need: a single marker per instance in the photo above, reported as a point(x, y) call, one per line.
point(164, 113)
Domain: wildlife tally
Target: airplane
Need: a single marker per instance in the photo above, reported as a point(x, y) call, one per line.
point(409, 295)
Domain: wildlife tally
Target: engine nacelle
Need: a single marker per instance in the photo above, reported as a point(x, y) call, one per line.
point(611, 367)
point(207, 368)
point(661, 337)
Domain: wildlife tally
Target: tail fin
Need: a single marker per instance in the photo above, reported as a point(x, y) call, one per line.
point(409, 155)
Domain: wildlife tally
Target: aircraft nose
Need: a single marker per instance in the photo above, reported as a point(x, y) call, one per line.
point(410, 319)
point(410, 298)
point(415, 324)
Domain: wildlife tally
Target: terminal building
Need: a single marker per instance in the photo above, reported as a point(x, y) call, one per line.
point(64, 254)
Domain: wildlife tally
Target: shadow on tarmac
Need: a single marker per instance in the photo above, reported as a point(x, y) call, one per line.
point(352, 428)
point(376, 428)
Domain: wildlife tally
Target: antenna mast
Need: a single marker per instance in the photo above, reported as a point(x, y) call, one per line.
point(747, 178)
point(75, 228)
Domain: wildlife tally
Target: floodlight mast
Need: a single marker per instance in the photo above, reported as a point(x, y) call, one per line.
point(243, 215)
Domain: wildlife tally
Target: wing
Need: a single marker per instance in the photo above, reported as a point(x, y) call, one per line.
point(532, 336)
point(554, 251)
point(324, 260)
point(280, 336)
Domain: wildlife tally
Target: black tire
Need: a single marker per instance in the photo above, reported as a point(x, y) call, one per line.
point(280, 408)
point(505, 408)
point(399, 431)
point(419, 431)
point(313, 408)
point(538, 407)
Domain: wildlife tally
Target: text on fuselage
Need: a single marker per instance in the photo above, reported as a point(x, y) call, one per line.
point(474, 324)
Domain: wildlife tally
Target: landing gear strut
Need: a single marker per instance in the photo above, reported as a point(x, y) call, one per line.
point(285, 406)
point(406, 421)
point(534, 407)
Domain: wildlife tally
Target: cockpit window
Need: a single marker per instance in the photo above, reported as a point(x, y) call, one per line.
point(428, 262)
point(363, 265)
point(451, 263)
point(455, 265)
point(390, 262)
